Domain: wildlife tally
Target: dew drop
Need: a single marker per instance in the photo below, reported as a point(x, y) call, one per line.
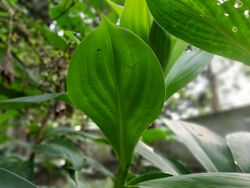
point(246, 13)
point(238, 4)
point(235, 29)
point(226, 14)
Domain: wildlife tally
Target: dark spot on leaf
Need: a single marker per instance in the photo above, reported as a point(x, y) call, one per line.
point(98, 50)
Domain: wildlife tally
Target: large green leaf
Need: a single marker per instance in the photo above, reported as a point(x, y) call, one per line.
point(210, 149)
point(137, 18)
point(218, 26)
point(209, 180)
point(162, 163)
point(115, 78)
point(64, 149)
point(185, 69)
point(239, 144)
point(10, 180)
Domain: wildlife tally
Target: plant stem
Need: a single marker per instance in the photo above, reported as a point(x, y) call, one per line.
point(121, 177)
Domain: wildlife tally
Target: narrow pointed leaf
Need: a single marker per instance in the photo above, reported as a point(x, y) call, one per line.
point(210, 149)
point(163, 164)
point(10, 180)
point(187, 68)
point(117, 8)
point(31, 100)
point(160, 42)
point(208, 180)
point(137, 18)
point(239, 144)
point(63, 149)
point(220, 27)
point(115, 78)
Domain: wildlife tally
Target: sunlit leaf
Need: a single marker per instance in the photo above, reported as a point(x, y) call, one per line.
point(137, 18)
point(220, 27)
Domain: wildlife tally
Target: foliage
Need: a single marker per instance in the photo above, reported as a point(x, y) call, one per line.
point(117, 62)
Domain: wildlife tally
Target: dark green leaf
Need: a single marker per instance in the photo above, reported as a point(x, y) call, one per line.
point(239, 144)
point(10, 180)
point(220, 27)
point(210, 149)
point(160, 42)
point(63, 149)
point(209, 180)
point(53, 39)
point(18, 166)
point(115, 78)
point(30, 100)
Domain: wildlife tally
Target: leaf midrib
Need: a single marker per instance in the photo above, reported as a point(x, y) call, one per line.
point(118, 99)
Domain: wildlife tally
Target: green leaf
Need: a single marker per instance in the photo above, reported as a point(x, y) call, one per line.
point(117, 8)
point(53, 39)
point(162, 163)
point(31, 100)
point(177, 48)
point(210, 149)
point(239, 144)
point(10, 180)
point(206, 180)
point(152, 135)
point(187, 68)
point(160, 42)
point(220, 27)
point(64, 149)
point(146, 177)
point(137, 18)
point(115, 79)
point(23, 168)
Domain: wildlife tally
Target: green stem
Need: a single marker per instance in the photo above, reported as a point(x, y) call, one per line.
point(121, 177)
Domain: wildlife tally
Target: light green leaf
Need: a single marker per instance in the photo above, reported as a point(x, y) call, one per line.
point(64, 149)
point(239, 144)
point(220, 27)
point(187, 68)
point(162, 163)
point(177, 48)
point(206, 180)
point(115, 79)
point(117, 8)
point(152, 135)
point(137, 18)
point(31, 100)
point(210, 149)
point(10, 180)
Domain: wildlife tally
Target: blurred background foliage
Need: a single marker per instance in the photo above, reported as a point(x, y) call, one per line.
point(53, 145)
